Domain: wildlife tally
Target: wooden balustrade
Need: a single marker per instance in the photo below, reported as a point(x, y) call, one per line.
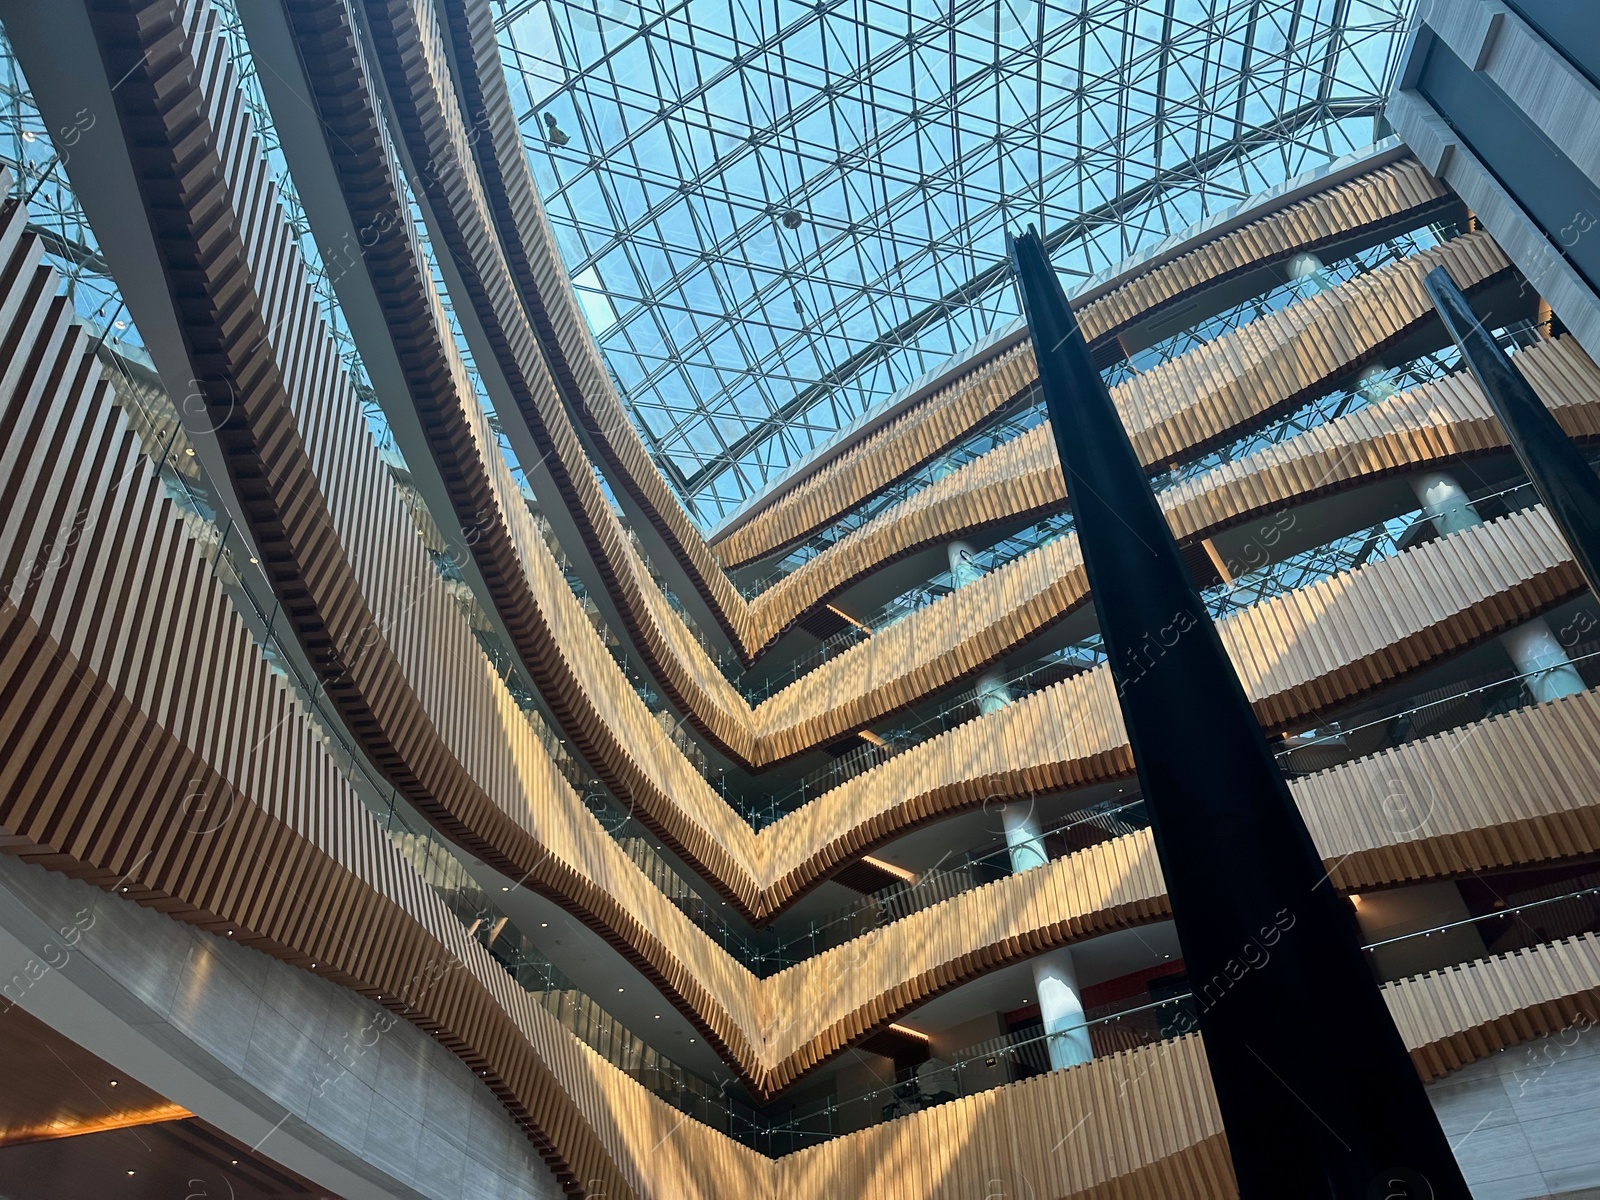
point(554, 636)
point(775, 1029)
point(546, 292)
point(917, 435)
point(119, 735)
point(957, 635)
point(1296, 654)
point(1022, 478)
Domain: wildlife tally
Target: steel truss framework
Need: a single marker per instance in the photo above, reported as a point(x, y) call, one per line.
point(899, 141)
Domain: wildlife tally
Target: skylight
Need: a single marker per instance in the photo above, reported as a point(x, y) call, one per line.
point(776, 214)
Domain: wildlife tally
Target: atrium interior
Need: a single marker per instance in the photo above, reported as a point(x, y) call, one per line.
point(565, 629)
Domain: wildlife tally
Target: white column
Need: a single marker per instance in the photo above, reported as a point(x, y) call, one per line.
point(1308, 267)
point(993, 694)
point(1445, 503)
point(963, 568)
point(1023, 839)
point(1533, 647)
point(1061, 1008)
point(1538, 655)
point(1374, 383)
point(1055, 980)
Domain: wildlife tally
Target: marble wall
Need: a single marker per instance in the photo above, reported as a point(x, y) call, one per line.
point(1525, 1122)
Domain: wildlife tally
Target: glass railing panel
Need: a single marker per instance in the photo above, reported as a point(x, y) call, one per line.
point(1129, 1024)
point(1424, 715)
point(1027, 411)
point(960, 871)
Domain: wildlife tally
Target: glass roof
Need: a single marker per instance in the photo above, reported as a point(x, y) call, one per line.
point(776, 214)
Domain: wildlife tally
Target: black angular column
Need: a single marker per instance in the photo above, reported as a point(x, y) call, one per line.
point(1318, 1094)
point(1560, 473)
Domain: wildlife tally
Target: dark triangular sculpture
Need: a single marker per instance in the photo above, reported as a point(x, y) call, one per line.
point(1319, 1097)
point(1560, 473)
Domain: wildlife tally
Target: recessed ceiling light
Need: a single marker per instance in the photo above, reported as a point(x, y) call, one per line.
point(113, 1083)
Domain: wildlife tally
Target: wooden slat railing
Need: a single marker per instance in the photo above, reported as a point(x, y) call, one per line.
point(919, 434)
point(1022, 477)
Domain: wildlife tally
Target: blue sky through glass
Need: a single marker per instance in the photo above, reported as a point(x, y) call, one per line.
point(900, 142)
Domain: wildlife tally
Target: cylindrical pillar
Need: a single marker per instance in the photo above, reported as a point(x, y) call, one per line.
point(1532, 647)
point(1055, 979)
point(1307, 269)
point(1445, 502)
point(1374, 383)
point(993, 694)
point(1539, 656)
point(1023, 839)
point(963, 564)
point(1061, 1009)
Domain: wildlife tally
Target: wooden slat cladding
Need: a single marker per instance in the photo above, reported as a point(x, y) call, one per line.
point(132, 701)
point(409, 48)
point(553, 636)
point(760, 900)
point(1143, 1124)
point(916, 436)
point(1023, 479)
point(105, 780)
point(947, 641)
point(1455, 1017)
point(546, 292)
point(554, 639)
point(1513, 790)
point(1296, 654)
point(1260, 367)
point(148, 748)
point(474, 767)
point(98, 789)
point(873, 980)
point(1192, 402)
point(957, 635)
point(405, 672)
point(1444, 419)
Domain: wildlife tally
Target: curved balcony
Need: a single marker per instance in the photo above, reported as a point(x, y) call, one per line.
point(144, 759)
point(1022, 478)
point(1370, 201)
